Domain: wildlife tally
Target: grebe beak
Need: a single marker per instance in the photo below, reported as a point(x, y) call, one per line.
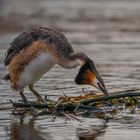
point(98, 81)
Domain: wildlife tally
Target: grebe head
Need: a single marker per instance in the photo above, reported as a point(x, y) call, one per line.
point(88, 75)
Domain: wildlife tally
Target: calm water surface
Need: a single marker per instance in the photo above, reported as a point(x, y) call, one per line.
point(108, 31)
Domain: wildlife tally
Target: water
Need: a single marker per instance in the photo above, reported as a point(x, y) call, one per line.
point(108, 31)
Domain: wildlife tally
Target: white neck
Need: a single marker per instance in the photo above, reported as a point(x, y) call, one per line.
point(72, 60)
point(69, 64)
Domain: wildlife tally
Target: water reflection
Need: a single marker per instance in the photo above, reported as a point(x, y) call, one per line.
point(27, 128)
point(93, 133)
point(21, 130)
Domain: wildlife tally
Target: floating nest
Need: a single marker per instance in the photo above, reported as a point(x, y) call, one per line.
point(87, 104)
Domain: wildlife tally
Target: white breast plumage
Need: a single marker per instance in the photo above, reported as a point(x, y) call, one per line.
point(36, 69)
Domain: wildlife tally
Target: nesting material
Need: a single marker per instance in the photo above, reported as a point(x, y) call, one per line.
point(88, 104)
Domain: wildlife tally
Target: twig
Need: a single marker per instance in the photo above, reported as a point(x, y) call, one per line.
point(70, 116)
point(35, 105)
point(106, 98)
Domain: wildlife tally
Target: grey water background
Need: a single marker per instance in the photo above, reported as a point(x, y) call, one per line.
point(108, 31)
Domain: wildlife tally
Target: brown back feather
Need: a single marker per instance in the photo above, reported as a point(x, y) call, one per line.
point(50, 36)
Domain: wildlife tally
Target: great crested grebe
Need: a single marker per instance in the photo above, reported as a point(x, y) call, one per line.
point(36, 51)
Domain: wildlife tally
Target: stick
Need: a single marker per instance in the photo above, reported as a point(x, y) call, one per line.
point(35, 105)
point(106, 98)
point(62, 107)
